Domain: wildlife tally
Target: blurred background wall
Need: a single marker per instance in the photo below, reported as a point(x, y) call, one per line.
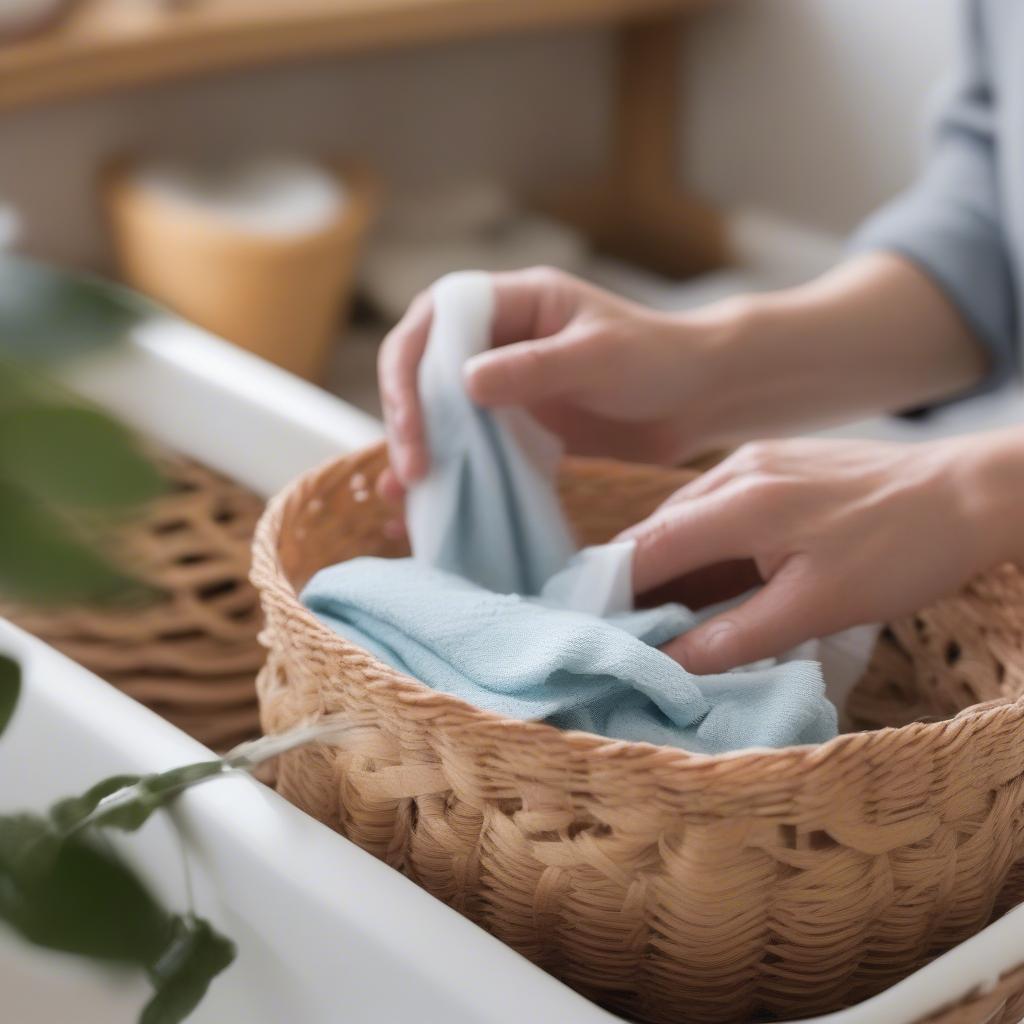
point(814, 109)
point(811, 109)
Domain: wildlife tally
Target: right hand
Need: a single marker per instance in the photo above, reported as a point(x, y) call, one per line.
point(607, 376)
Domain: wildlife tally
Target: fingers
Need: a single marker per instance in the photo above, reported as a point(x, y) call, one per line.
point(529, 372)
point(784, 613)
point(532, 303)
point(389, 487)
point(684, 536)
point(397, 367)
point(537, 352)
point(752, 459)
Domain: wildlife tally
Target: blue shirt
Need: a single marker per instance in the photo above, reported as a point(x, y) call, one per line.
point(962, 222)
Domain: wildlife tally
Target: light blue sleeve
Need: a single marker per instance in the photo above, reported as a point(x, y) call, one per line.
point(950, 222)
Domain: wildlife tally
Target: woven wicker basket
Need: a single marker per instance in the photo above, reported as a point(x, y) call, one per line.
point(667, 886)
point(191, 654)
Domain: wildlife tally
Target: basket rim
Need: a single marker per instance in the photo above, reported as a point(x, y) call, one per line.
point(268, 576)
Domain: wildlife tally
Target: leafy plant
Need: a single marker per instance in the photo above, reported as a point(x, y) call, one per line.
point(48, 313)
point(61, 888)
point(64, 464)
point(10, 689)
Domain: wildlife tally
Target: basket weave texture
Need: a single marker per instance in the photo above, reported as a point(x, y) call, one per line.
point(192, 653)
point(665, 885)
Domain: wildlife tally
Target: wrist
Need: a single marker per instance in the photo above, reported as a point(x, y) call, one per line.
point(728, 333)
point(993, 488)
point(735, 358)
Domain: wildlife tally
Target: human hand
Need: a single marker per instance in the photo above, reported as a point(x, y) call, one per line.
point(607, 376)
point(842, 532)
point(613, 378)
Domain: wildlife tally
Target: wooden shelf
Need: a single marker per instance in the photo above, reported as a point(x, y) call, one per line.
point(636, 209)
point(104, 45)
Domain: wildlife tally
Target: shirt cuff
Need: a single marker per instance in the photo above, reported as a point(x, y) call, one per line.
point(976, 282)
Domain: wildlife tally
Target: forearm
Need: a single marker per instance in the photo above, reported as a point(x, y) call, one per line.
point(874, 335)
point(992, 485)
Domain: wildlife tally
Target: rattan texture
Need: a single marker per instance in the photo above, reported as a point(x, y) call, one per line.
point(191, 653)
point(667, 886)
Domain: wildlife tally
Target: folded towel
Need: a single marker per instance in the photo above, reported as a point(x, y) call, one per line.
point(495, 609)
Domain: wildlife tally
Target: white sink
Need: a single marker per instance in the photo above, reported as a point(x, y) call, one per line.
point(325, 932)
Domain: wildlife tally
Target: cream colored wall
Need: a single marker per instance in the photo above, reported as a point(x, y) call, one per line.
point(814, 109)
point(809, 108)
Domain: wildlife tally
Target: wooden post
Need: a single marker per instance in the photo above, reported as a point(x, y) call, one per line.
point(639, 210)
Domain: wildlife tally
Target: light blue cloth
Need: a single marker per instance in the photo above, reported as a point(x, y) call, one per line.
point(526, 660)
point(487, 523)
point(487, 510)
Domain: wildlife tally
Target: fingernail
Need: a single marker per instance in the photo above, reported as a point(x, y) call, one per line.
point(717, 633)
point(471, 370)
point(704, 647)
point(472, 365)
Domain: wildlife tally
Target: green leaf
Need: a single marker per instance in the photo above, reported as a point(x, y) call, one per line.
point(72, 812)
point(151, 793)
point(27, 845)
point(75, 456)
point(47, 312)
point(68, 894)
point(41, 561)
point(182, 974)
point(63, 892)
point(10, 689)
point(126, 801)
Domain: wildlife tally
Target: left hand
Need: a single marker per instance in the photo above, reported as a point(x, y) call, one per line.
point(842, 532)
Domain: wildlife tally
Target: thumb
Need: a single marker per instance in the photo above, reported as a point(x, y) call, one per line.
point(784, 613)
point(531, 371)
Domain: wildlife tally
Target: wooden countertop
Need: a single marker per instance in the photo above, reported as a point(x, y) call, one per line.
point(102, 45)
